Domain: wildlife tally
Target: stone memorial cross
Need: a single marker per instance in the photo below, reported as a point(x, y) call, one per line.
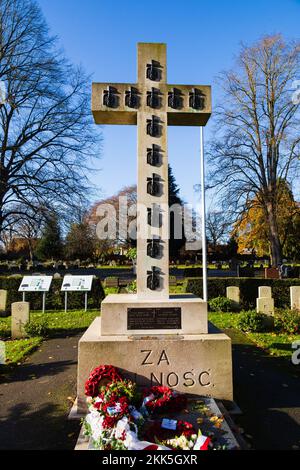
point(152, 105)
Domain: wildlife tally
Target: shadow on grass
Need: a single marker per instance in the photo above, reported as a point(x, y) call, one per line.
point(27, 371)
point(45, 427)
point(64, 332)
point(267, 389)
point(281, 346)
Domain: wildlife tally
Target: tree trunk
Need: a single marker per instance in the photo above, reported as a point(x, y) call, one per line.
point(276, 254)
point(30, 249)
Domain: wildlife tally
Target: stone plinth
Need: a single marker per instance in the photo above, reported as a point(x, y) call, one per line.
point(265, 305)
point(295, 297)
point(194, 364)
point(3, 300)
point(114, 312)
point(19, 318)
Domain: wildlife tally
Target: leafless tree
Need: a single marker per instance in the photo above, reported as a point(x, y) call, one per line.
point(47, 138)
point(257, 141)
point(217, 226)
point(128, 192)
point(28, 228)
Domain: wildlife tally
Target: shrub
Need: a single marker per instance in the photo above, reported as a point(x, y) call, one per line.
point(288, 321)
point(220, 304)
point(39, 328)
point(252, 322)
point(131, 288)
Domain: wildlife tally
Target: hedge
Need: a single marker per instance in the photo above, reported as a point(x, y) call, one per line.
point(55, 299)
point(248, 289)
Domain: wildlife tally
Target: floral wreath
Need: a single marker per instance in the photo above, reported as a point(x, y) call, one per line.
point(161, 398)
point(156, 432)
point(102, 375)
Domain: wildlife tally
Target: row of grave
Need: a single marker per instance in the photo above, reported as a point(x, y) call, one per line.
point(20, 311)
point(264, 301)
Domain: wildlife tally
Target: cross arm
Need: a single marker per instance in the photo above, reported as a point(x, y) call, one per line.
point(188, 105)
point(118, 103)
point(110, 103)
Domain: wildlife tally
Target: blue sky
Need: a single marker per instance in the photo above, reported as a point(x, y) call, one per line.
point(202, 38)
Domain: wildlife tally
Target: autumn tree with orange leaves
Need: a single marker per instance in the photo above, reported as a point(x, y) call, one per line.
point(251, 229)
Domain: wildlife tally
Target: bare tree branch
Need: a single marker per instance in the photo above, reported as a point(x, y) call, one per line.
point(47, 137)
point(257, 139)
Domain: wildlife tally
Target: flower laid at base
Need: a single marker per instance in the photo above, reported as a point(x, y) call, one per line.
point(122, 418)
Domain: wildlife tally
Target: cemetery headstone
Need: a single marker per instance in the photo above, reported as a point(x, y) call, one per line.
point(111, 282)
point(295, 297)
point(19, 317)
point(3, 300)
point(2, 352)
point(265, 305)
point(271, 273)
point(265, 302)
point(155, 337)
point(264, 291)
point(233, 293)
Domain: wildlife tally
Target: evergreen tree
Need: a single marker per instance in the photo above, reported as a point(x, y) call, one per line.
point(80, 241)
point(50, 244)
point(175, 243)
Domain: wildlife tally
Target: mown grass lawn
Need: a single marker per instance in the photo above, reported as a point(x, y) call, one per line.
point(17, 350)
point(275, 343)
point(58, 323)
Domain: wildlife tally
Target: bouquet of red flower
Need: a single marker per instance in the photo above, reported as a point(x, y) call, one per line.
point(172, 433)
point(163, 399)
point(101, 376)
point(113, 401)
point(114, 422)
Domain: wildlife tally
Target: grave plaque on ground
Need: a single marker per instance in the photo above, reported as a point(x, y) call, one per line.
point(152, 336)
point(295, 297)
point(19, 318)
point(3, 299)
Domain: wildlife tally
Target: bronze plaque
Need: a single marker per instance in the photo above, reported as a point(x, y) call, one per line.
point(154, 318)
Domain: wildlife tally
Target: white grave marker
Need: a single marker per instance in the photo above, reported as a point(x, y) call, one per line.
point(295, 297)
point(3, 299)
point(19, 318)
point(233, 293)
point(2, 352)
point(265, 291)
